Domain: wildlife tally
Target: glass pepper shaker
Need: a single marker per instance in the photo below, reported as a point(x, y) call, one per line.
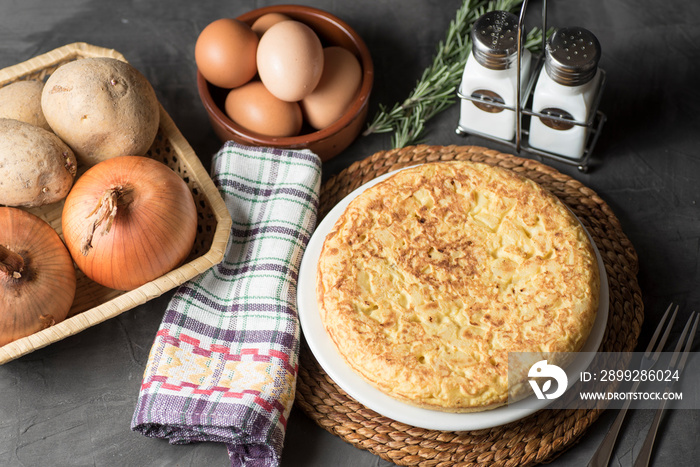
point(490, 76)
point(566, 88)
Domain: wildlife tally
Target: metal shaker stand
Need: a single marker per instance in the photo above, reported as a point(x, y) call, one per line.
point(594, 123)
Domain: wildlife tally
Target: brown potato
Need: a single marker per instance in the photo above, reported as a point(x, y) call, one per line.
point(36, 167)
point(101, 107)
point(21, 101)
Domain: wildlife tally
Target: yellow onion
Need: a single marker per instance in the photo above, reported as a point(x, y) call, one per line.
point(37, 276)
point(128, 220)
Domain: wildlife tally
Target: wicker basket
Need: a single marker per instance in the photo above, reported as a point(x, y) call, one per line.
point(94, 303)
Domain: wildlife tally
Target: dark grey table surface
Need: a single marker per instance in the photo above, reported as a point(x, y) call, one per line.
point(70, 404)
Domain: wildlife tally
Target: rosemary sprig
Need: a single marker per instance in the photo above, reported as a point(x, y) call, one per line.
point(436, 90)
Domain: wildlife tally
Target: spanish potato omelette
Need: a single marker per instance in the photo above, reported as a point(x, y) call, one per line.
point(429, 278)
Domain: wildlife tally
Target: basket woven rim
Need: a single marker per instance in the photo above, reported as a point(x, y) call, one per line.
point(124, 301)
point(538, 438)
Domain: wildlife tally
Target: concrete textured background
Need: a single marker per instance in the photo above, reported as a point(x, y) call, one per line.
point(70, 404)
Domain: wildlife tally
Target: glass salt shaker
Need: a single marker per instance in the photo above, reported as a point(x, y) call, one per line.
point(490, 76)
point(566, 88)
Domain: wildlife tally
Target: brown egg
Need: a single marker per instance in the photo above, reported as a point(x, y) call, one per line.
point(341, 78)
point(265, 22)
point(253, 107)
point(225, 53)
point(290, 60)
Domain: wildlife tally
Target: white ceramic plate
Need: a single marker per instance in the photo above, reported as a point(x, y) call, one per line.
point(351, 382)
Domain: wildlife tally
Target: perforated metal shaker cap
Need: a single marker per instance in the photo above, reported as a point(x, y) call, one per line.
point(495, 40)
point(571, 56)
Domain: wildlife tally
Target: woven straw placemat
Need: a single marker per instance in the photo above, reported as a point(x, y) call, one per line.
point(542, 436)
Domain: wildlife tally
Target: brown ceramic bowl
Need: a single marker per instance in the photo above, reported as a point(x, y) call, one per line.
point(327, 142)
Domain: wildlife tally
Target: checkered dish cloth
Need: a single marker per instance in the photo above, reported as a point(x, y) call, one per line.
point(224, 362)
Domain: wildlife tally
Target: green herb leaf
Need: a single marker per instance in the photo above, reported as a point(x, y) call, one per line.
point(436, 90)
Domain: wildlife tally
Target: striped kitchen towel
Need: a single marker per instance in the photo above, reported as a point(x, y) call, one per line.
point(224, 362)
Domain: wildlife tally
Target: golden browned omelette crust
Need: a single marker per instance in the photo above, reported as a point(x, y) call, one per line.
point(429, 278)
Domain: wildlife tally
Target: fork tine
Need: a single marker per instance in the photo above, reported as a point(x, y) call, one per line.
point(644, 455)
point(658, 330)
point(602, 454)
point(688, 344)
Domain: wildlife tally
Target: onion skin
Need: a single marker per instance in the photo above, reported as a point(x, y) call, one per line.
point(37, 275)
point(151, 230)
